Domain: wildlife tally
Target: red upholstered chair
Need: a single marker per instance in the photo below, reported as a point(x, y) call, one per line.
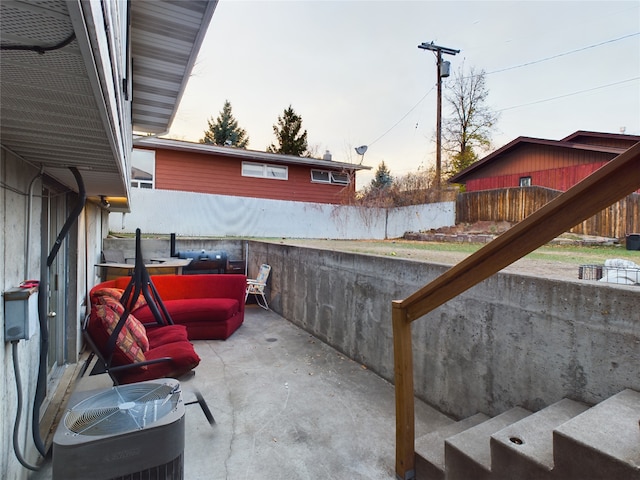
point(128, 352)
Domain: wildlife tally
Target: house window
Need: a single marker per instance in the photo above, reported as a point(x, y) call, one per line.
point(320, 176)
point(525, 181)
point(263, 170)
point(143, 166)
point(340, 178)
point(323, 176)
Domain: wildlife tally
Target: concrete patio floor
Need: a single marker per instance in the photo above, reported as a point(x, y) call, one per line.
point(287, 406)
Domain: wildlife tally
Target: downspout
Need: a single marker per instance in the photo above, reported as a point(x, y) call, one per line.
point(41, 386)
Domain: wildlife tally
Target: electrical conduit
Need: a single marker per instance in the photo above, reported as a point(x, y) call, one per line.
point(41, 387)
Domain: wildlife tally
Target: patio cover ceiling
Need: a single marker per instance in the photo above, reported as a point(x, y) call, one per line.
point(53, 105)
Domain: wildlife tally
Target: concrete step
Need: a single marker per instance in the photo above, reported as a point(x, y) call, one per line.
point(429, 449)
point(603, 442)
point(468, 454)
point(524, 450)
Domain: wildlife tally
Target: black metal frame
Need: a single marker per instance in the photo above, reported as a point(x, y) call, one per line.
point(140, 283)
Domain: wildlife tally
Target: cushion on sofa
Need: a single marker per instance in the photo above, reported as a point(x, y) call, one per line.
point(183, 359)
point(102, 321)
point(132, 325)
point(174, 287)
point(215, 330)
point(192, 310)
point(115, 293)
point(161, 335)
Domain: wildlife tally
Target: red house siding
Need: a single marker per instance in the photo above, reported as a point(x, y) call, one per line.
point(548, 166)
point(557, 179)
point(195, 172)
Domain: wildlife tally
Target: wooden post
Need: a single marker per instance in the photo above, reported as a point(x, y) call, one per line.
point(403, 371)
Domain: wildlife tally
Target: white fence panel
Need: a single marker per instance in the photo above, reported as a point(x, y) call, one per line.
point(198, 214)
point(416, 218)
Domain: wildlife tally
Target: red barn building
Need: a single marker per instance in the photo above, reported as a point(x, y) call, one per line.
point(554, 164)
point(194, 167)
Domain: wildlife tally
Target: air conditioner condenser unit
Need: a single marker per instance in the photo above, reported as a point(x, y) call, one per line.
point(124, 432)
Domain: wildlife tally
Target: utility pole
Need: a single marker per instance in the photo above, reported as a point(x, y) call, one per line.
point(442, 72)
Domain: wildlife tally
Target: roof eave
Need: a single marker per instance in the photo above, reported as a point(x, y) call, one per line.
point(163, 95)
point(241, 153)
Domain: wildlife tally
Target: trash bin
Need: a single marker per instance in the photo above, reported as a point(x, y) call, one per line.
point(633, 241)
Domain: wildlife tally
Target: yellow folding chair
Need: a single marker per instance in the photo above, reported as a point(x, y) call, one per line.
point(256, 286)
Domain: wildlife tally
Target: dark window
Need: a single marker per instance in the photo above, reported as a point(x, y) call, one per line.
point(323, 176)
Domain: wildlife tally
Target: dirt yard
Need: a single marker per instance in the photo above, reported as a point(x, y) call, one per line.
point(554, 269)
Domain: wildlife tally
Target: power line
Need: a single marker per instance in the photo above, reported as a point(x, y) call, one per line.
point(404, 116)
point(563, 54)
point(569, 94)
point(525, 65)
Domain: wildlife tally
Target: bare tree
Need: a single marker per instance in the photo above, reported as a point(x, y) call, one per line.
point(471, 122)
point(413, 188)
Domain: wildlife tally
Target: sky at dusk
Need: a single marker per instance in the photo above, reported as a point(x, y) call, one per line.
point(354, 73)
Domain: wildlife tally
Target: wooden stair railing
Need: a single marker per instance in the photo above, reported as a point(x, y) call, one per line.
point(613, 181)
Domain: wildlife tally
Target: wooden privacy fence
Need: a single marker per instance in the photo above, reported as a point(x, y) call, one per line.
point(516, 204)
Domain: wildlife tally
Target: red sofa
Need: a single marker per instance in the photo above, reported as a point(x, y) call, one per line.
point(210, 306)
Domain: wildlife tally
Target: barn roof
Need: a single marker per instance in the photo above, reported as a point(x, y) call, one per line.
point(570, 142)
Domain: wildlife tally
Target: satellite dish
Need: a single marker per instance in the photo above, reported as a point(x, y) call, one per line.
point(361, 149)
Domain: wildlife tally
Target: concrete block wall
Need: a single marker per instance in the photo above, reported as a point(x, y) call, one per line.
point(511, 340)
point(161, 247)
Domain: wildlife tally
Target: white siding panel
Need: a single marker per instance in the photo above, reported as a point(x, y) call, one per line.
point(198, 214)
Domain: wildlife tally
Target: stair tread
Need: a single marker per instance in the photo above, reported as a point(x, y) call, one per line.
point(474, 442)
point(431, 446)
point(617, 433)
point(534, 434)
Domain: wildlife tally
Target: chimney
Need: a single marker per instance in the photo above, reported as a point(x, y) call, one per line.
point(327, 155)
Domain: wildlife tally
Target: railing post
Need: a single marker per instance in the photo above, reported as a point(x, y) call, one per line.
point(403, 370)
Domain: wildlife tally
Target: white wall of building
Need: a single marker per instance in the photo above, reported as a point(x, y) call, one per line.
point(21, 256)
point(197, 214)
point(16, 179)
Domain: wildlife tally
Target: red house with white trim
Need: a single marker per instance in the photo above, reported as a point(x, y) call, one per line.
point(555, 164)
point(195, 167)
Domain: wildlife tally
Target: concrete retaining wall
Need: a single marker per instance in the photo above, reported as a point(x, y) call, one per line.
point(511, 340)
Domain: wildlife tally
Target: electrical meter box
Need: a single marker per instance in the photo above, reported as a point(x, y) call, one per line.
point(20, 313)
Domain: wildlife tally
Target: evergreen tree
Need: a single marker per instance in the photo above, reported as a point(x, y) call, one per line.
point(289, 139)
point(382, 177)
point(225, 130)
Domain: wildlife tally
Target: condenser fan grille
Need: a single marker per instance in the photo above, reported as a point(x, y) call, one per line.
point(122, 409)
